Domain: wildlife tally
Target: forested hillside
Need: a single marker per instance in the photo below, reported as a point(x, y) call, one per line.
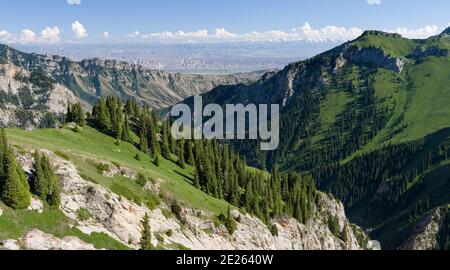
point(369, 122)
point(114, 178)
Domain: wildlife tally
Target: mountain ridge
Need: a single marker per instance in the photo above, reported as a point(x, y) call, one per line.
point(355, 117)
point(91, 78)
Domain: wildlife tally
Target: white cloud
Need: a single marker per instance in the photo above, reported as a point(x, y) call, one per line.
point(424, 32)
point(78, 30)
point(74, 2)
point(105, 34)
point(6, 37)
point(374, 2)
point(135, 34)
point(50, 35)
point(180, 35)
point(328, 33)
point(27, 36)
point(222, 33)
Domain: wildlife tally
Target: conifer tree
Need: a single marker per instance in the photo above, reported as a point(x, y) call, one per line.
point(181, 161)
point(143, 145)
point(152, 136)
point(53, 196)
point(15, 191)
point(3, 147)
point(156, 161)
point(230, 223)
point(171, 139)
point(197, 179)
point(155, 120)
point(126, 131)
point(44, 182)
point(146, 238)
point(101, 115)
point(165, 148)
point(39, 184)
point(189, 153)
point(75, 113)
point(248, 197)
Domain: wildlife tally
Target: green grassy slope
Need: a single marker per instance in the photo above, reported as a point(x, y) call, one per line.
point(14, 224)
point(392, 44)
point(176, 182)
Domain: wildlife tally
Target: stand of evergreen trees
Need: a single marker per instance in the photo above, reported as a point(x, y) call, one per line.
point(14, 185)
point(44, 182)
point(75, 113)
point(219, 172)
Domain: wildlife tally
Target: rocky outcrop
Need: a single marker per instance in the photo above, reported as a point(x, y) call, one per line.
point(28, 98)
point(120, 219)
point(36, 205)
point(421, 52)
point(374, 57)
point(37, 240)
point(425, 233)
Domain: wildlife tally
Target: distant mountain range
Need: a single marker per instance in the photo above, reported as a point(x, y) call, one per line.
point(213, 58)
point(370, 121)
point(33, 82)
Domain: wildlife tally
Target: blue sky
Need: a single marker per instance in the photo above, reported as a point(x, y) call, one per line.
point(92, 21)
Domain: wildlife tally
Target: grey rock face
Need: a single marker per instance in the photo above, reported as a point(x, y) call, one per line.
point(375, 57)
point(421, 52)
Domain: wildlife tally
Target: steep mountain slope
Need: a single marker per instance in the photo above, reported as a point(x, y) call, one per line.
point(90, 79)
point(30, 99)
point(102, 206)
point(368, 120)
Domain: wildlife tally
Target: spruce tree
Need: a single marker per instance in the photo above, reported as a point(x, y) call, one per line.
point(143, 145)
point(44, 182)
point(170, 138)
point(75, 113)
point(152, 136)
point(249, 197)
point(197, 179)
point(189, 154)
point(101, 115)
point(40, 182)
point(230, 223)
point(146, 238)
point(69, 116)
point(165, 148)
point(15, 191)
point(181, 161)
point(3, 147)
point(156, 161)
point(53, 196)
point(126, 131)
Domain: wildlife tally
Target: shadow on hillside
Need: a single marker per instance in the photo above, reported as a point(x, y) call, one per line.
point(188, 178)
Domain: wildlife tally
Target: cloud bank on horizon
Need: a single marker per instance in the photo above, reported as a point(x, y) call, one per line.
point(305, 33)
